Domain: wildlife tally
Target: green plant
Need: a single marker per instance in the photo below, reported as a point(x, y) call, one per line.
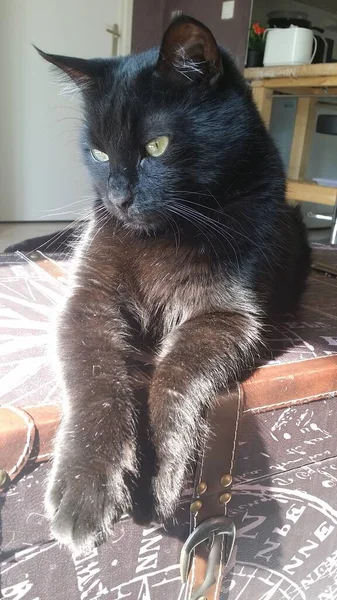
point(256, 41)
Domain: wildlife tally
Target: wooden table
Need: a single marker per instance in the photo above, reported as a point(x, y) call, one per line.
point(310, 83)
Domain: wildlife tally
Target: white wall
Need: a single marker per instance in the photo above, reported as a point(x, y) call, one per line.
point(40, 165)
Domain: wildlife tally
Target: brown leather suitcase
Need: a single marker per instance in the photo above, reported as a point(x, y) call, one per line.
point(263, 502)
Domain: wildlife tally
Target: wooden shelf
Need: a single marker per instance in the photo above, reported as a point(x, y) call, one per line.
point(309, 82)
point(309, 191)
point(307, 71)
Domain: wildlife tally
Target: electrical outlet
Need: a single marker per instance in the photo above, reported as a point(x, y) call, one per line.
point(228, 10)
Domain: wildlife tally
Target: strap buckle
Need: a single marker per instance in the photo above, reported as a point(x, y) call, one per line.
point(213, 531)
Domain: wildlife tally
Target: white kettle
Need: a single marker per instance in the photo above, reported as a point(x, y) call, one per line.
point(291, 46)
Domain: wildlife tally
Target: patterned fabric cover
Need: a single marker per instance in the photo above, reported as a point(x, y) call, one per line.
point(284, 497)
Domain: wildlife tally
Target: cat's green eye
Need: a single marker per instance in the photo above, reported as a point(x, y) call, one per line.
point(99, 155)
point(157, 146)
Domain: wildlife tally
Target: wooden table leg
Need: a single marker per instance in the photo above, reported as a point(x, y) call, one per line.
point(303, 132)
point(264, 101)
point(333, 236)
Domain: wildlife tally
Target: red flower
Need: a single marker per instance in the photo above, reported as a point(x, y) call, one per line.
point(256, 39)
point(258, 30)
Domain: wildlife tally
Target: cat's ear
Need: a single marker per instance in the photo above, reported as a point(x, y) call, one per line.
point(83, 72)
point(189, 53)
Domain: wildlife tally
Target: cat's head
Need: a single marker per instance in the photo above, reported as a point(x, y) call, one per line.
point(164, 130)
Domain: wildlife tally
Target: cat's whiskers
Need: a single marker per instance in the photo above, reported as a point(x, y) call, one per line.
point(224, 231)
point(196, 193)
point(55, 211)
point(203, 217)
point(172, 224)
point(209, 195)
point(69, 119)
point(67, 107)
point(178, 240)
point(61, 214)
point(255, 244)
point(223, 213)
point(197, 223)
point(204, 206)
point(214, 198)
point(221, 230)
point(58, 234)
point(103, 218)
point(210, 224)
point(66, 131)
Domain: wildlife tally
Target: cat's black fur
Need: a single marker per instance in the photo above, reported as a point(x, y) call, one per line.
point(191, 251)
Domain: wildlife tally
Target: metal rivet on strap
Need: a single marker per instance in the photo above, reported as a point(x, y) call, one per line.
point(201, 488)
point(3, 477)
point(195, 506)
point(225, 498)
point(226, 480)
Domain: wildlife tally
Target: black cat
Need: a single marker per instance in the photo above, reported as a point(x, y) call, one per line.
point(192, 246)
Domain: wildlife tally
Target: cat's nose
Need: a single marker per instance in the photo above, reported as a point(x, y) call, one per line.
point(123, 202)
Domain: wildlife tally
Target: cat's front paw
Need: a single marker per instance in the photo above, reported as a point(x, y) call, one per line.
point(83, 502)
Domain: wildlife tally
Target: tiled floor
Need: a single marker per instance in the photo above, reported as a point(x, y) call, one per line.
point(17, 232)
point(11, 233)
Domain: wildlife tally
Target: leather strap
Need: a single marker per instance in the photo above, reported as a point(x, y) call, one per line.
point(26, 436)
point(324, 268)
point(48, 265)
point(17, 434)
point(213, 482)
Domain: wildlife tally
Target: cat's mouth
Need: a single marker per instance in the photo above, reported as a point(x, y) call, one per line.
point(134, 218)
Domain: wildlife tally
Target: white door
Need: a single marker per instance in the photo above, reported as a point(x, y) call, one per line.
point(41, 175)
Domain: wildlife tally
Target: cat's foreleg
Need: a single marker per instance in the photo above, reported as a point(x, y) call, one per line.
point(95, 446)
point(198, 358)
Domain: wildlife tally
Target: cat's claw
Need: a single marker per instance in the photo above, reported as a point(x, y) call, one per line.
point(83, 505)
